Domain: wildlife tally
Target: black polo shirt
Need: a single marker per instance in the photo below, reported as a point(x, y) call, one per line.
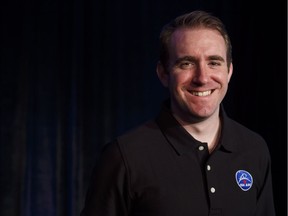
point(158, 169)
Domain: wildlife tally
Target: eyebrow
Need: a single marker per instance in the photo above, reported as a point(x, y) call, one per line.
point(185, 58)
point(194, 59)
point(216, 57)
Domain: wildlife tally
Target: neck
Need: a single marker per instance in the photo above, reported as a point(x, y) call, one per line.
point(207, 131)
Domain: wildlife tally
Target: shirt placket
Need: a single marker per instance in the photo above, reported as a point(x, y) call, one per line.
point(209, 176)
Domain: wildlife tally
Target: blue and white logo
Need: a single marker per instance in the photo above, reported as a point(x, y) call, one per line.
point(244, 179)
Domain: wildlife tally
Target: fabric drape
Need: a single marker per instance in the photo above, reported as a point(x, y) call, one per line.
point(75, 74)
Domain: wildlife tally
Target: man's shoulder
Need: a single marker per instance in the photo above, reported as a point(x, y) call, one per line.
point(244, 130)
point(245, 137)
point(140, 142)
point(135, 141)
point(147, 131)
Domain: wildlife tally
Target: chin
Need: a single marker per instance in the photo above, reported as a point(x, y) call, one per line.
point(203, 113)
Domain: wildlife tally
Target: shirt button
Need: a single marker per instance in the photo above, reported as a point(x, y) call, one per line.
point(208, 167)
point(213, 190)
point(201, 148)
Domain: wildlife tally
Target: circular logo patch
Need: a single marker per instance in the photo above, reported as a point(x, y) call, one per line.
point(244, 179)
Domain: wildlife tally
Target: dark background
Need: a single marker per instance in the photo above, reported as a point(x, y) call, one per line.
point(75, 74)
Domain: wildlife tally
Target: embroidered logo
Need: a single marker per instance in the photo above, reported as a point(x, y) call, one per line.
point(244, 179)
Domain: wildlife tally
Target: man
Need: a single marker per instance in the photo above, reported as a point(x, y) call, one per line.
point(192, 159)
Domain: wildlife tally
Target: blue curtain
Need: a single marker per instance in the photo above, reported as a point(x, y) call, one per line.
point(75, 74)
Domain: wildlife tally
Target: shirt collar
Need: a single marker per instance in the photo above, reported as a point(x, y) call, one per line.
point(183, 142)
point(229, 136)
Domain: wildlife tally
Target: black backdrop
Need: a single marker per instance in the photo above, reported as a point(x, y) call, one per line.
point(74, 74)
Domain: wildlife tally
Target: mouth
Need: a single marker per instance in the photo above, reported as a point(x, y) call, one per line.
point(201, 93)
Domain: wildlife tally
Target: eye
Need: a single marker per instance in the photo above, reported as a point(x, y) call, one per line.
point(215, 63)
point(186, 64)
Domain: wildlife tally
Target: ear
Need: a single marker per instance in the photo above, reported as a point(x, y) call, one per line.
point(230, 72)
point(162, 74)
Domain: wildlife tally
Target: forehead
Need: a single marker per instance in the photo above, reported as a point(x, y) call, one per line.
point(197, 40)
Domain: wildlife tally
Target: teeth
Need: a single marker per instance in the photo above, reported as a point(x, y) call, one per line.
point(201, 94)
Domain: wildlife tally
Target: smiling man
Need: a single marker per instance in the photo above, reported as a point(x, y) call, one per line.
point(192, 159)
point(197, 73)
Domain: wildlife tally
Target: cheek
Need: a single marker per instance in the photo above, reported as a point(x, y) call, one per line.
point(226, 79)
point(222, 78)
point(180, 79)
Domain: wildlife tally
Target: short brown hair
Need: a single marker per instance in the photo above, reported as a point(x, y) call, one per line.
point(191, 20)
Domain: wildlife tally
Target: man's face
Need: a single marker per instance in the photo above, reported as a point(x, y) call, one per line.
point(197, 74)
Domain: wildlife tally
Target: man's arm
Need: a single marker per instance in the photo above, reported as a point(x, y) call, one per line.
point(108, 191)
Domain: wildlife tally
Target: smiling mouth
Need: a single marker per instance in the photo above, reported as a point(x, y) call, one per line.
point(201, 93)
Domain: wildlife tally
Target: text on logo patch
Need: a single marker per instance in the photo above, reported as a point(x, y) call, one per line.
point(244, 179)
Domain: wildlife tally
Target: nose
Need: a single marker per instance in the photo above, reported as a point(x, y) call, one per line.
point(200, 75)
